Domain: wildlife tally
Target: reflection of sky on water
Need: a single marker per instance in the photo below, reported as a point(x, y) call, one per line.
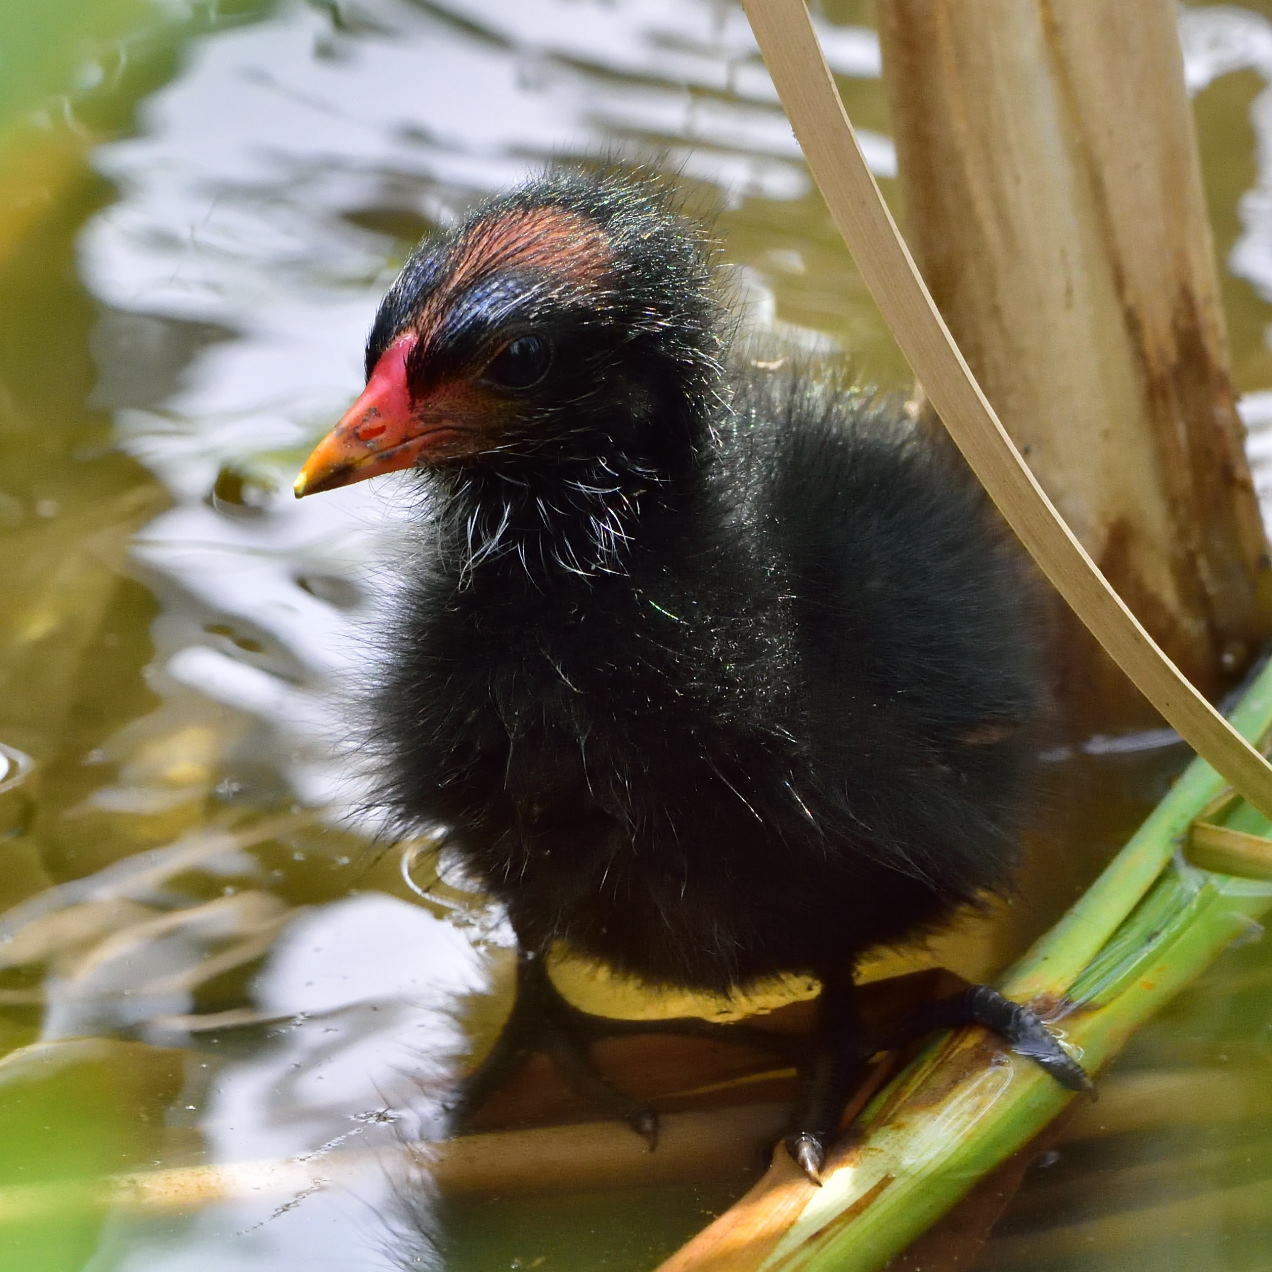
point(366, 989)
point(1222, 40)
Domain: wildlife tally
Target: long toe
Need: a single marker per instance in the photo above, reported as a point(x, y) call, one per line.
point(1025, 1033)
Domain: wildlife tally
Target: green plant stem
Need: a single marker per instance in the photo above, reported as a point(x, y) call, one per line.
point(1058, 956)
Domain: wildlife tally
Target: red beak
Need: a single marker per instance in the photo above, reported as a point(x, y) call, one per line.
point(379, 433)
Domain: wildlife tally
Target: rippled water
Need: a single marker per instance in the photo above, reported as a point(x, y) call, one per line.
point(202, 203)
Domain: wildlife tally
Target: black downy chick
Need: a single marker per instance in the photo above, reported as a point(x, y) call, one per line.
point(714, 672)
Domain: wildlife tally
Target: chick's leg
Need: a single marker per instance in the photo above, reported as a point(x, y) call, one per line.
point(541, 1020)
point(834, 1070)
point(842, 1047)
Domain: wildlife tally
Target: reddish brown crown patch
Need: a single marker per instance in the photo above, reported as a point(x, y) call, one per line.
point(570, 249)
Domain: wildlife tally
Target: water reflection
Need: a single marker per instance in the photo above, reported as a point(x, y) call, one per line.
point(193, 884)
point(359, 999)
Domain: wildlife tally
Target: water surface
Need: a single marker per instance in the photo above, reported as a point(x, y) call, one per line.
point(202, 203)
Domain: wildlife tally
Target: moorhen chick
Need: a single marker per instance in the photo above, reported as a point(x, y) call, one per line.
point(714, 670)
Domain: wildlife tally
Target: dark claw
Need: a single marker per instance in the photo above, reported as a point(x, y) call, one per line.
point(808, 1153)
point(1048, 1054)
point(645, 1123)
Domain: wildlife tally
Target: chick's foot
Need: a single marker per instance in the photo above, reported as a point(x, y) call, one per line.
point(842, 1048)
point(1020, 1027)
point(543, 1021)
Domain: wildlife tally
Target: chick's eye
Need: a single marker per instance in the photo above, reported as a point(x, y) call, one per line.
point(520, 364)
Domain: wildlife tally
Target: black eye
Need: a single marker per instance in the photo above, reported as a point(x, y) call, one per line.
point(520, 364)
